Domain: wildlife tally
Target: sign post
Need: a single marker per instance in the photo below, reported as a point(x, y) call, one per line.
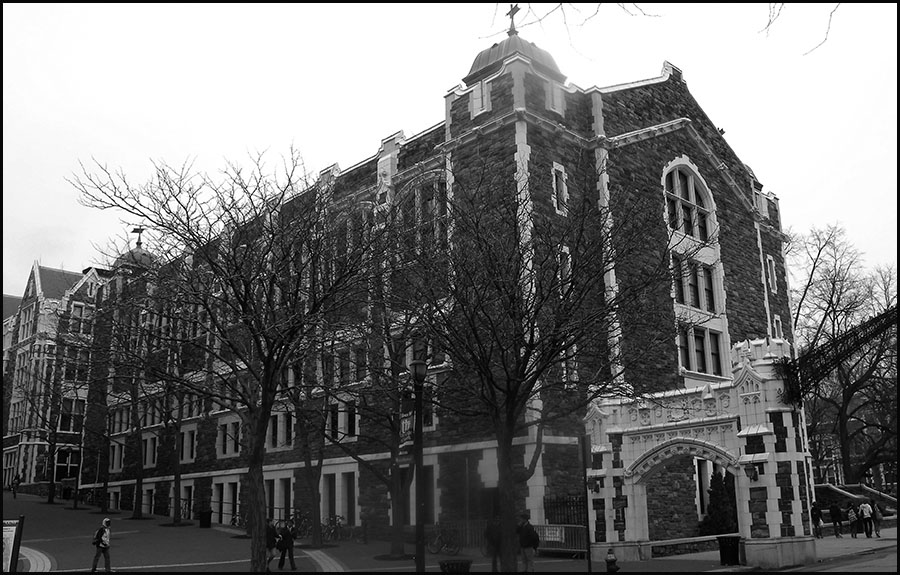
point(12, 537)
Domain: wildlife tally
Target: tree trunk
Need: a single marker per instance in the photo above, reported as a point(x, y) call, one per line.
point(254, 439)
point(398, 545)
point(509, 544)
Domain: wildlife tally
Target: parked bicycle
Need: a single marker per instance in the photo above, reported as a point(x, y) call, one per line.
point(238, 521)
point(302, 525)
point(332, 531)
point(444, 540)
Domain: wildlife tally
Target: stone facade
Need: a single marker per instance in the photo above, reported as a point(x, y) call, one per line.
point(518, 129)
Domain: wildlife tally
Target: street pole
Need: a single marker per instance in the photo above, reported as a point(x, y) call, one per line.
point(418, 368)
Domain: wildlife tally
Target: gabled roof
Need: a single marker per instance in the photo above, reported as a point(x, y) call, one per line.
point(54, 282)
point(10, 305)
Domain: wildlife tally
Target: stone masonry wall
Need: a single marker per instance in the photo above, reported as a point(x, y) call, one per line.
point(671, 505)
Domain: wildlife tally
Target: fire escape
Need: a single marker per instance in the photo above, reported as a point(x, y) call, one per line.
point(802, 374)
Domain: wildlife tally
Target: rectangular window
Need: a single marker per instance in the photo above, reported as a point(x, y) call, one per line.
point(333, 422)
point(770, 269)
point(715, 356)
point(678, 275)
point(776, 327)
point(351, 418)
point(344, 365)
point(273, 430)
point(361, 363)
point(565, 270)
point(236, 437)
point(700, 350)
point(560, 192)
point(684, 350)
point(708, 291)
point(693, 284)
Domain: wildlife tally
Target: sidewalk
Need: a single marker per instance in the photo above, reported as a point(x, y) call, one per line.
point(56, 538)
point(348, 556)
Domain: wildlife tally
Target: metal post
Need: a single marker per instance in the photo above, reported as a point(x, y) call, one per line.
point(418, 372)
point(585, 443)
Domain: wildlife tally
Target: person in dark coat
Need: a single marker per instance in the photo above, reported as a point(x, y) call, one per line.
point(528, 541)
point(835, 512)
point(492, 542)
point(286, 543)
point(817, 520)
point(271, 537)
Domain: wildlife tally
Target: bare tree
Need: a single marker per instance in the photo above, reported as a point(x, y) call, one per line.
point(523, 300)
point(835, 293)
point(247, 270)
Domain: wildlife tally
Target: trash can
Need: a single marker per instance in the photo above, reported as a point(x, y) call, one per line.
point(206, 519)
point(729, 550)
point(455, 565)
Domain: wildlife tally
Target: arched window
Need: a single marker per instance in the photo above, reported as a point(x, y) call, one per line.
point(687, 203)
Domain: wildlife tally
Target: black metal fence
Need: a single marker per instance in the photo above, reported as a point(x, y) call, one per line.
point(565, 509)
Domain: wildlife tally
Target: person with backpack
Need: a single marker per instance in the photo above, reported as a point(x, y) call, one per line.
point(102, 542)
point(817, 520)
point(877, 516)
point(865, 515)
point(528, 541)
point(852, 519)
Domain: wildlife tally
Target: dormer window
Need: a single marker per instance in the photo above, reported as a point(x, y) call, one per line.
point(554, 97)
point(687, 206)
point(481, 98)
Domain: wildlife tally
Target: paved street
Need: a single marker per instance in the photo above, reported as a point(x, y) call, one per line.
point(57, 538)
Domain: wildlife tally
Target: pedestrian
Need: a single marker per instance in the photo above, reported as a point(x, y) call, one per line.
point(835, 512)
point(865, 515)
point(286, 544)
point(852, 519)
point(877, 516)
point(528, 541)
point(271, 539)
point(102, 542)
point(817, 520)
point(15, 484)
point(492, 542)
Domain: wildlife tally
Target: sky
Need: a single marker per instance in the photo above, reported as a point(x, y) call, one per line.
point(125, 85)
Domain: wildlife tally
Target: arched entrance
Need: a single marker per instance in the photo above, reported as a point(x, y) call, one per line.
point(739, 425)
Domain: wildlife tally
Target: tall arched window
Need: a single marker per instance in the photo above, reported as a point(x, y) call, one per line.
point(687, 203)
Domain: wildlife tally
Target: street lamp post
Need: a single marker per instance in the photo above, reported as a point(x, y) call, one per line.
point(418, 369)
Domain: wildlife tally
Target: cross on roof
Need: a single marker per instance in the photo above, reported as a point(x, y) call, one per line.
point(513, 9)
point(138, 230)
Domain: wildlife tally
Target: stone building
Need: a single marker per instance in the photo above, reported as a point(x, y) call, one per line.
point(46, 363)
point(646, 144)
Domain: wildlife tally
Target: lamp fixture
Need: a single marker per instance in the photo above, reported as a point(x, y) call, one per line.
point(751, 471)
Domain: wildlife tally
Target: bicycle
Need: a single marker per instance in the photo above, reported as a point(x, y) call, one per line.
point(238, 521)
point(444, 540)
point(332, 531)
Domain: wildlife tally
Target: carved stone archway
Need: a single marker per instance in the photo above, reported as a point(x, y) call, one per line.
point(738, 423)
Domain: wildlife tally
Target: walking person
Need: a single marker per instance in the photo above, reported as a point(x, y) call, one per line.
point(271, 537)
point(835, 512)
point(102, 542)
point(865, 515)
point(528, 542)
point(852, 519)
point(492, 541)
point(877, 516)
point(15, 484)
point(817, 520)
point(286, 544)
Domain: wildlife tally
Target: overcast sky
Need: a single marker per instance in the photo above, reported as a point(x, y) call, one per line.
point(127, 84)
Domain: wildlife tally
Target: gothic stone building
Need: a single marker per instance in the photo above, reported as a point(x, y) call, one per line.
point(647, 142)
